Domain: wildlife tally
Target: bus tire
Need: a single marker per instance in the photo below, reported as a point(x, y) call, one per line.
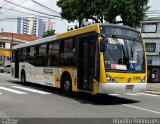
point(66, 85)
point(1, 71)
point(23, 78)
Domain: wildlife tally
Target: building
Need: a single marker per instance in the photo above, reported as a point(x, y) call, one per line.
point(7, 40)
point(48, 25)
point(151, 35)
point(34, 26)
point(29, 25)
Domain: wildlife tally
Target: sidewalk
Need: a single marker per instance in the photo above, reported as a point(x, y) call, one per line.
point(153, 88)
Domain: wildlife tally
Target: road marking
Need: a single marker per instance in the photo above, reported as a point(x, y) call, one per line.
point(32, 90)
point(13, 91)
point(141, 108)
point(114, 94)
point(132, 94)
point(147, 94)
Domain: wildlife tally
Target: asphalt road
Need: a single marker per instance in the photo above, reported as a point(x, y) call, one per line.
point(35, 101)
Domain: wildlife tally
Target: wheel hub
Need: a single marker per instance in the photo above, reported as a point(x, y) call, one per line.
point(66, 85)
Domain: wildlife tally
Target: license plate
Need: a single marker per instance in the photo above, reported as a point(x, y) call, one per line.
point(129, 86)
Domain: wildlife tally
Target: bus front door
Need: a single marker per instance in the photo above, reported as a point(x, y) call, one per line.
point(86, 63)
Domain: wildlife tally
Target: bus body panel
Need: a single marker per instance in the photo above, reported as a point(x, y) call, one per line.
point(121, 88)
point(126, 77)
point(49, 76)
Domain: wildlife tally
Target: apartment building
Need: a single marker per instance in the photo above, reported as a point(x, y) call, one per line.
point(34, 26)
point(151, 34)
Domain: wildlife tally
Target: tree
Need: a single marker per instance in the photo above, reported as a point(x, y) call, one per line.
point(132, 12)
point(48, 33)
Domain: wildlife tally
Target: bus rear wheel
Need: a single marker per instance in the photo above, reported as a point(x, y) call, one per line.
point(66, 85)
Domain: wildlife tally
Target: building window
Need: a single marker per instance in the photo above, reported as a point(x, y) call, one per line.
point(150, 47)
point(2, 45)
point(149, 28)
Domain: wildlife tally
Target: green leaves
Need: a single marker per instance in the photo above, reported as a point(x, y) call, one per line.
point(48, 33)
point(132, 12)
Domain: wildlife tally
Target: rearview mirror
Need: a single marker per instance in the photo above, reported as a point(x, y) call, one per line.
point(102, 46)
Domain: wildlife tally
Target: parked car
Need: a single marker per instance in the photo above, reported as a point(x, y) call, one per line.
point(6, 68)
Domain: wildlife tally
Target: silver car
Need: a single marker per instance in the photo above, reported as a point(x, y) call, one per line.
point(6, 68)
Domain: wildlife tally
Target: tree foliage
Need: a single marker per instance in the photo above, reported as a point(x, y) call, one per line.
point(48, 33)
point(132, 12)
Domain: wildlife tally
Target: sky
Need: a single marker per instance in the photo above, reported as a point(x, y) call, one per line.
point(60, 25)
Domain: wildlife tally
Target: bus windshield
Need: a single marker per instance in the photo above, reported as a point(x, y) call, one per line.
point(124, 54)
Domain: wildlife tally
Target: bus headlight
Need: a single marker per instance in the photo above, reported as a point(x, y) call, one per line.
point(143, 79)
point(110, 79)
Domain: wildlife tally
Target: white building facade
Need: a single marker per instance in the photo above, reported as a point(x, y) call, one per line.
point(5, 49)
point(151, 35)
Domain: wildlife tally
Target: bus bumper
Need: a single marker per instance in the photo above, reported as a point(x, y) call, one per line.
point(121, 88)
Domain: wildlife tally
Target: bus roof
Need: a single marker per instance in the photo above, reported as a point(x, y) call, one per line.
point(35, 42)
point(82, 30)
point(89, 28)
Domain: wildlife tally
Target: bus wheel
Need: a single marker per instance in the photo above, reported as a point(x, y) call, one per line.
point(66, 85)
point(23, 78)
point(1, 71)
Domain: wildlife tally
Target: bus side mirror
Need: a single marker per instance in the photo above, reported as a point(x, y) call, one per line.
point(102, 46)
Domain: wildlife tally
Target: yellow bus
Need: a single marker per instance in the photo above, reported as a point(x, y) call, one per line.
point(98, 59)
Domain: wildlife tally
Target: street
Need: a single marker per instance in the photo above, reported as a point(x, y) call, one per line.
point(35, 101)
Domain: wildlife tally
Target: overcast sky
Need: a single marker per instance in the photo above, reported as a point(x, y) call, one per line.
point(61, 25)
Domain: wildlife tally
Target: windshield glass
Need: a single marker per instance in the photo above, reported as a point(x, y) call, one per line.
point(124, 54)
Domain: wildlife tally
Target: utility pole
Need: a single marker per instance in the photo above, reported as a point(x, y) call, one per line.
point(12, 41)
point(11, 47)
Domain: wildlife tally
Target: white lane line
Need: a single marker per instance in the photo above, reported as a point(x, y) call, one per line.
point(32, 90)
point(147, 94)
point(11, 90)
point(114, 94)
point(132, 94)
point(142, 109)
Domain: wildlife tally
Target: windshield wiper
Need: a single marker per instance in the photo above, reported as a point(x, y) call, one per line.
point(116, 39)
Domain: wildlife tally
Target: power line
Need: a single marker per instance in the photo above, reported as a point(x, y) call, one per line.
point(14, 6)
point(32, 14)
point(5, 4)
point(33, 10)
point(51, 10)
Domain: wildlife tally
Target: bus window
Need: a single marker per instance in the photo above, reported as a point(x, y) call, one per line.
point(40, 57)
point(27, 54)
point(67, 52)
point(53, 54)
point(32, 57)
point(22, 55)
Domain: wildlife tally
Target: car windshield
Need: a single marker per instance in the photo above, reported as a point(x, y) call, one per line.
point(124, 54)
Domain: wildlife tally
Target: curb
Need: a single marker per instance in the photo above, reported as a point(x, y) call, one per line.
point(153, 92)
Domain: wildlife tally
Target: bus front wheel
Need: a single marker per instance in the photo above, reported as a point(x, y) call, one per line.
point(66, 85)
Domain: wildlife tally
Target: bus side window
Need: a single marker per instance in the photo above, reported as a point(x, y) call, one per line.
point(22, 55)
point(27, 54)
point(32, 57)
point(67, 52)
point(53, 54)
point(41, 55)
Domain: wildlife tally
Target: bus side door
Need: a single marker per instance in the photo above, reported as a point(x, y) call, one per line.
point(86, 63)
